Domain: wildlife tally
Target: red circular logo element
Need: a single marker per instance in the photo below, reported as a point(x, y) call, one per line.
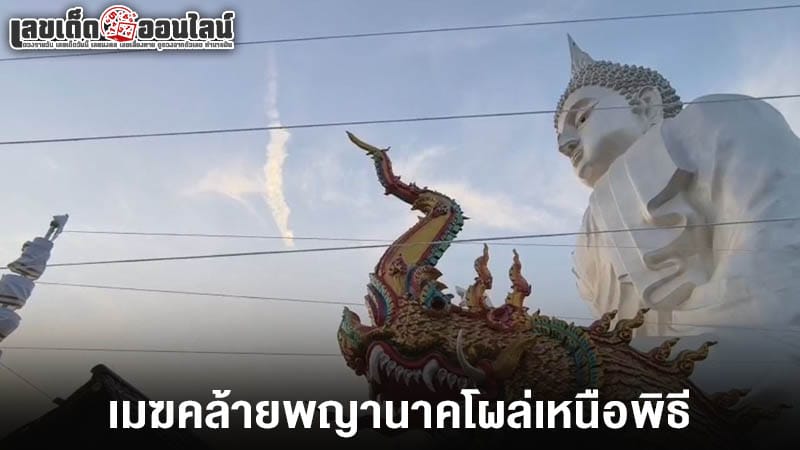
point(118, 23)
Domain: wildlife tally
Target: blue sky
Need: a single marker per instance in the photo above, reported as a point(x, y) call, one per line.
point(505, 172)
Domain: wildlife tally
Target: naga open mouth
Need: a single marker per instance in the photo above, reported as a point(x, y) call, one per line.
point(393, 376)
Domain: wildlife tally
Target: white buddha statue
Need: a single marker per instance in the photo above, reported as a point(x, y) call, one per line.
point(653, 162)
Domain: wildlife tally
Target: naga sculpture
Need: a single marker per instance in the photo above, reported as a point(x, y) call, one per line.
point(423, 346)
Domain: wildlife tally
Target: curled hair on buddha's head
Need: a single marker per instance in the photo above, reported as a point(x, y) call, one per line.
point(625, 79)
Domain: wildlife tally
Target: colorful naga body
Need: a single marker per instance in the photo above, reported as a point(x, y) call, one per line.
point(422, 346)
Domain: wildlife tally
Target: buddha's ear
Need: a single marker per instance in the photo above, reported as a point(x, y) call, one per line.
point(649, 105)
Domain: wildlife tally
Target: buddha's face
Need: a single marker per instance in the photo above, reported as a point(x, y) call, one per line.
point(598, 124)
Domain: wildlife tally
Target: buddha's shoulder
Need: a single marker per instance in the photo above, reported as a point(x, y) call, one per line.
point(722, 125)
point(720, 98)
point(727, 110)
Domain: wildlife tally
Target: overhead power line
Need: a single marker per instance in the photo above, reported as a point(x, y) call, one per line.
point(350, 123)
point(374, 246)
point(27, 381)
point(354, 239)
point(201, 294)
point(445, 29)
point(525, 24)
point(223, 236)
point(335, 302)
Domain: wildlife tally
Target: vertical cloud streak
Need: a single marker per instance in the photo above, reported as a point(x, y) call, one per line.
point(276, 156)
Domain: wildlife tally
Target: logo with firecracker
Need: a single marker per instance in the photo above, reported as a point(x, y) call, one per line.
point(120, 27)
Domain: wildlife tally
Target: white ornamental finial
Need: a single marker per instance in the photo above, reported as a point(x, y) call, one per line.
point(56, 227)
point(580, 59)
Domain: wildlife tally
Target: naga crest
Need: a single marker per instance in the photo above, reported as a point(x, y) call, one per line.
point(423, 346)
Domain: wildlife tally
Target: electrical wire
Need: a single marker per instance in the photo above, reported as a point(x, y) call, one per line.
point(201, 294)
point(27, 381)
point(446, 29)
point(228, 236)
point(375, 246)
point(335, 302)
point(351, 239)
point(352, 123)
point(526, 24)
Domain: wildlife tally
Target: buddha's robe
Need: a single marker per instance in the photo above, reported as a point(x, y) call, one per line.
point(726, 158)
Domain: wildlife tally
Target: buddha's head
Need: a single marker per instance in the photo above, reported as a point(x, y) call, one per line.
point(606, 107)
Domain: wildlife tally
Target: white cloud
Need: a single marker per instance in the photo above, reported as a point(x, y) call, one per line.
point(237, 183)
point(276, 156)
point(231, 182)
point(495, 210)
point(483, 207)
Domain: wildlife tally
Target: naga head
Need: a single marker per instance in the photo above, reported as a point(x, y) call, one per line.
point(422, 344)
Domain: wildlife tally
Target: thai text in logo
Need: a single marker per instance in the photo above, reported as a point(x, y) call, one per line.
point(121, 28)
